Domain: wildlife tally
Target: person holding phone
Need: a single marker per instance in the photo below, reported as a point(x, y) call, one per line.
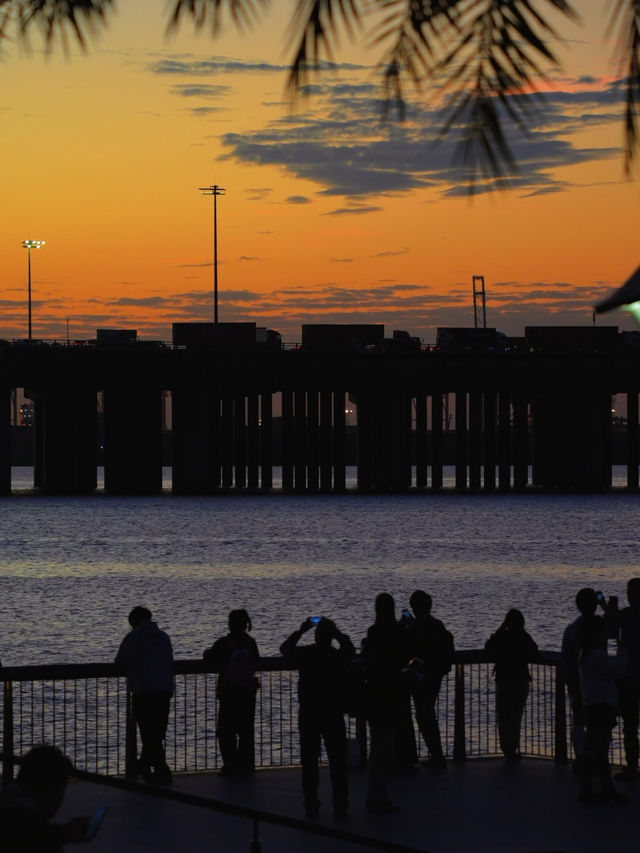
point(322, 697)
point(28, 806)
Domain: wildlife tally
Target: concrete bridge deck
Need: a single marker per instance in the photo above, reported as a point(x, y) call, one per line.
point(484, 806)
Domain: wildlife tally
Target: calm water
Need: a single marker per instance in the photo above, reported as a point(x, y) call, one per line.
point(73, 568)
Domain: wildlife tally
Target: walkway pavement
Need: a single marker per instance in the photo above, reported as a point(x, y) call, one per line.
point(484, 806)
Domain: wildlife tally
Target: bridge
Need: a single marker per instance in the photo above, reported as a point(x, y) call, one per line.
point(513, 420)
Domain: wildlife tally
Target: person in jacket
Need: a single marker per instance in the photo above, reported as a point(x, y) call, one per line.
point(625, 625)
point(385, 653)
point(28, 806)
point(145, 656)
point(511, 648)
point(432, 658)
point(235, 657)
point(598, 673)
point(587, 604)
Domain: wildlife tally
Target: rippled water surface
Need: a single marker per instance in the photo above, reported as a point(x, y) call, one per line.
point(72, 568)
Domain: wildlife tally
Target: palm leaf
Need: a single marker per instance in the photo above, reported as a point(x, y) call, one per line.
point(203, 12)
point(626, 15)
point(55, 18)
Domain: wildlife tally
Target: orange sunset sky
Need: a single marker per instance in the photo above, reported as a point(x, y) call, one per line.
point(329, 216)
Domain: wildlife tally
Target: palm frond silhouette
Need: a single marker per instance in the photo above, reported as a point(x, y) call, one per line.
point(485, 60)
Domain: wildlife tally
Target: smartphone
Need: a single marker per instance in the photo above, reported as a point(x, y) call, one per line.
point(95, 823)
point(601, 598)
point(315, 619)
point(406, 614)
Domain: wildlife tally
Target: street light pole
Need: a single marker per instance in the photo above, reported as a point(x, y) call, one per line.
point(215, 191)
point(29, 245)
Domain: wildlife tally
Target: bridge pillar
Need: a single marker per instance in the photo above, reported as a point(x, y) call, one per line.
point(421, 450)
point(339, 441)
point(489, 440)
point(5, 441)
point(572, 439)
point(195, 417)
point(436, 440)
point(633, 447)
point(132, 440)
point(384, 441)
point(266, 439)
point(65, 436)
point(461, 440)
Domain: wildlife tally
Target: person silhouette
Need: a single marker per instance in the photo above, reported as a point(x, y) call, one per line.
point(146, 657)
point(385, 652)
point(236, 657)
point(587, 604)
point(322, 698)
point(432, 654)
point(626, 624)
point(28, 805)
point(511, 648)
point(598, 674)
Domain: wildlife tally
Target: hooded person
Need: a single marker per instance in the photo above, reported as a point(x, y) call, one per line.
point(145, 656)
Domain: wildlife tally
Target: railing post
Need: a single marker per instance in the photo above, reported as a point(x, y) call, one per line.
point(560, 733)
point(7, 733)
point(131, 743)
point(361, 738)
point(459, 738)
point(255, 846)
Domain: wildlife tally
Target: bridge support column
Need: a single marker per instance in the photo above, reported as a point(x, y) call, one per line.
point(633, 448)
point(572, 439)
point(5, 441)
point(196, 441)
point(65, 440)
point(132, 440)
point(384, 441)
point(489, 443)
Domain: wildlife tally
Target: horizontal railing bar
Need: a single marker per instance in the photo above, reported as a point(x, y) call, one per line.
point(60, 671)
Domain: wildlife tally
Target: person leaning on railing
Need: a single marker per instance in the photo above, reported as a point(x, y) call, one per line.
point(145, 656)
point(236, 658)
point(512, 648)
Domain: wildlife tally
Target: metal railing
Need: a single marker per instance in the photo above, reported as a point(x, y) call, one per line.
point(85, 710)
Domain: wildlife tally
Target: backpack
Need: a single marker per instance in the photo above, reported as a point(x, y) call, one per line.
point(434, 645)
point(444, 653)
point(240, 668)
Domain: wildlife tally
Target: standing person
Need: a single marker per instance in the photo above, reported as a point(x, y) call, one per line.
point(598, 674)
point(512, 648)
point(236, 658)
point(146, 657)
point(626, 623)
point(322, 682)
point(28, 806)
point(587, 603)
point(385, 652)
point(433, 655)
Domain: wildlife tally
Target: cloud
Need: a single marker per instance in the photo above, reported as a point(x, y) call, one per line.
point(346, 151)
point(248, 258)
point(344, 211)
point(193, 66)
point(203, 90)
point(298, 199)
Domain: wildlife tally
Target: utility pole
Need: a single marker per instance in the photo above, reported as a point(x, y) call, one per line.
point(215, 191)
point(29, 245)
